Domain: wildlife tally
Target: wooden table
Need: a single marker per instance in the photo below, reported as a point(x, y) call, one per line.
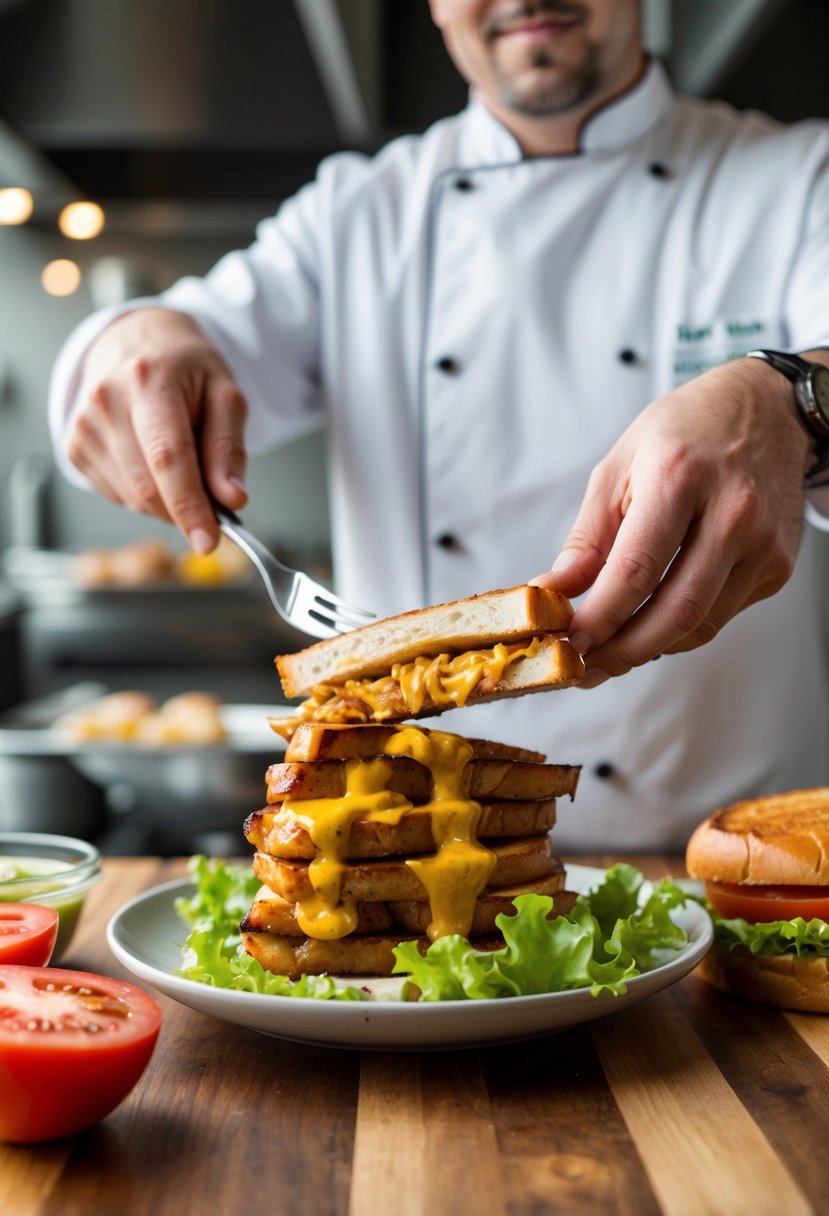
point(687, 1103)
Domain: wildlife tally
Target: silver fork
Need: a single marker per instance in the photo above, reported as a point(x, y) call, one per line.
point(298, 599)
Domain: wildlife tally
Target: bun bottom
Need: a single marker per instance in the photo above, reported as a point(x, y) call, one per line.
point(784, 980)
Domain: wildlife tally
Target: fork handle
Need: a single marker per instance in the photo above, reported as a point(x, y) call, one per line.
point(231, 525)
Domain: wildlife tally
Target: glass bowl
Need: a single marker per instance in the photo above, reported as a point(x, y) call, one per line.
point(56, 871)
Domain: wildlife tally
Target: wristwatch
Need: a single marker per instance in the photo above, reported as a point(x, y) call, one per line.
point(811, 392)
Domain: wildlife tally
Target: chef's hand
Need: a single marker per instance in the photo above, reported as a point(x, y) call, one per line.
point(158, 416)
point(694, 514)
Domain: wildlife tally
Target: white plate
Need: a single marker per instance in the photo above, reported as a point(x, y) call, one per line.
point(143, 936)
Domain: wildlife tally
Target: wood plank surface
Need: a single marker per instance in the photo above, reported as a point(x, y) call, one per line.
point(564, 1144)
point(699, 1144)
point(814, 1030)
point(431, 1101)
point(689, 1104)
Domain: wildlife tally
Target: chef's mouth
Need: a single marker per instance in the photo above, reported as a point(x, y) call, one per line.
point(533, 19)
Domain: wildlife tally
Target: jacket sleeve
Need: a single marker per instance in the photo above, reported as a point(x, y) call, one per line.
point(259, 307)
point(807, 303)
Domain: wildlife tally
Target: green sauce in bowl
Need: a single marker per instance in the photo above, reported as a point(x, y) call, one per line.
point(55, 871)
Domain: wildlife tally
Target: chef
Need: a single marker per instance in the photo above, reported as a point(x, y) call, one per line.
point(527, 333)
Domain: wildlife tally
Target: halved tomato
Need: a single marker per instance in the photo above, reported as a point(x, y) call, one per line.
point(72, 1046)
point(764, 903)
point(27, 934)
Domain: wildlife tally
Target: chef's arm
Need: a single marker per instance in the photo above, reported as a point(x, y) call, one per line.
point(694, 514)
point(157, 418)
point(156, 399)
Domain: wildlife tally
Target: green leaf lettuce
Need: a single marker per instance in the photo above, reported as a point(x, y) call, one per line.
point(213, 949)
point(808, 939)
point(609, 937)
point(606, 940)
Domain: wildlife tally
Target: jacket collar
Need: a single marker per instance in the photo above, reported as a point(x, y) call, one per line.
point(622, 122)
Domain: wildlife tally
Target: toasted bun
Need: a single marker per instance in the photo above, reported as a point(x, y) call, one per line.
point(780, 839)
point(511, 615)
point(113, 718)
point(784, 980)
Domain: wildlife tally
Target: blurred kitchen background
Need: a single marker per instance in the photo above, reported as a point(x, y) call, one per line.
point(186, 121)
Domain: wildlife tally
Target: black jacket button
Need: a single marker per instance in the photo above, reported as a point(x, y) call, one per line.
point(447, 540)
point(657, 169)
point(604, 770)
point(463, 184)
point(448, 365)
point(627, 355)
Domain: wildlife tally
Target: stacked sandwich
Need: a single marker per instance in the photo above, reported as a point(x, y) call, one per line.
point(378, 831)
point(765, 865)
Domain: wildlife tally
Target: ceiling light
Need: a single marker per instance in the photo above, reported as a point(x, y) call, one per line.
point(81, 221)
point(61, 277)
point(16, 205)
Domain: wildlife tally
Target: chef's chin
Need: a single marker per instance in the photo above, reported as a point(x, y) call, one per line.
point(544, 87)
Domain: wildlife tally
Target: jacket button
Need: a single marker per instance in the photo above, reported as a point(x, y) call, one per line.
point(448, 365)
point(463, 184)
point(604, 770)
point(627, 355)
point(447, 540)
point(657, 169)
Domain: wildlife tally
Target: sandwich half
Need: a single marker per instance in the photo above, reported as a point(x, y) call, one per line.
point(500, 644)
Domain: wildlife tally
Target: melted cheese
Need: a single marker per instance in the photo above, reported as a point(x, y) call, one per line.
point(442, 680)
point(453, 876)
point(327, 913)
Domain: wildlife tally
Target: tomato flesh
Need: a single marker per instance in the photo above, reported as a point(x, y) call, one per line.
point(757, 904)
point(72, 1046)
point(27, 934)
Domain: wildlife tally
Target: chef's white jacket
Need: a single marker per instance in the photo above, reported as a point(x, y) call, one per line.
point(475, 330)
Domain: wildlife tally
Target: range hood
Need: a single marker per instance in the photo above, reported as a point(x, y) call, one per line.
point(205, 99)
point(222, 101)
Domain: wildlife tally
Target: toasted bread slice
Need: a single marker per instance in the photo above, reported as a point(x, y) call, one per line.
point(277, 832)
point(501, 779)
point(413, 916)
point(270, 913)
point(367, 954)
point(364, 741)
point(513, 614)
point(780, 839)
point(516, 861)
point(555, 665)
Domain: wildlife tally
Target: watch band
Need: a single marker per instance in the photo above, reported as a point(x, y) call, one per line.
point(791, 366)
point(798, 371)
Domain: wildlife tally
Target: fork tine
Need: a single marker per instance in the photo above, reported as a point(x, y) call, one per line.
point(299, 599)
point(318, 626)
point(353, 617)
point(320, 610)
point(335, 620)
point(332, 628)
point(339, 623)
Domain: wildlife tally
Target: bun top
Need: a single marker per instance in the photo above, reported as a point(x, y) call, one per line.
point(780, 839)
